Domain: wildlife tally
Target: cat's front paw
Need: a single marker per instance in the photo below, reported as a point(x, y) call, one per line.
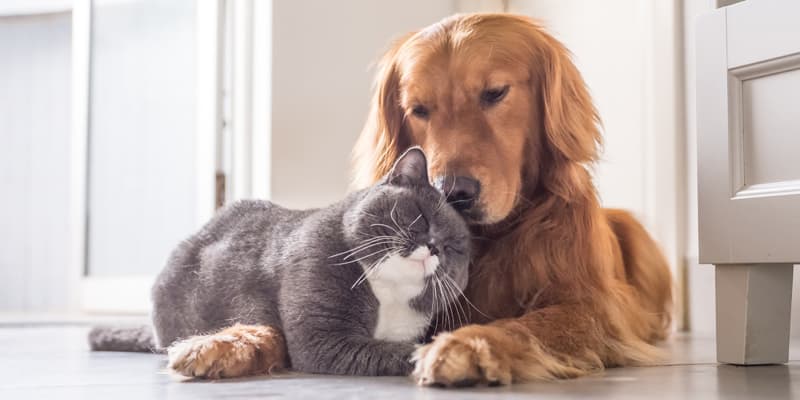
point(240, 350)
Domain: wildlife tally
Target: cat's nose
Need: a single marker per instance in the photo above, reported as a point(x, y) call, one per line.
point(432, 249)
point(462, 191)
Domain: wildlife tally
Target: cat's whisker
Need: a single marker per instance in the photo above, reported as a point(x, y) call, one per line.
point(460, 201)
point(414, 221)
point(455, 292)
point(381, 243)
point(435, 306)
point(434, 316)
point(377, 238)
point(441, 204)
point(461, 292)
point(453, 305)
point(361, 247)
point(375, 269)
point(369, 214)
point(394, 220)
point(443, 300)
point(444, 198)
point(445, 307)
point(449, 296)
point(390, 228)
point(371, 269)
point(354, 252)
point(450, 306)
point(363, 275)
point(364, 257)
point(372, 238)
point(369, 236)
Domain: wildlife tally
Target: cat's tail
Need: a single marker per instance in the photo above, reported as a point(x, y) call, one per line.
point(136, 339)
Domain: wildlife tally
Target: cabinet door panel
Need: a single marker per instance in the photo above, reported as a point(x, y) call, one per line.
point(749, 133)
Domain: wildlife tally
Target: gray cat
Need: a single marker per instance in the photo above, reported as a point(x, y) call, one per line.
point(352, 286)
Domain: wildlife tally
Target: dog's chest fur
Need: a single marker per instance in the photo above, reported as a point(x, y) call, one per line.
point(395, 283)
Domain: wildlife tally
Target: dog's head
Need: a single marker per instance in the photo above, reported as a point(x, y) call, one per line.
point(497, 105)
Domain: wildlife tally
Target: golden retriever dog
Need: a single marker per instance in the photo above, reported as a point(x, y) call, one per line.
point(559, 286)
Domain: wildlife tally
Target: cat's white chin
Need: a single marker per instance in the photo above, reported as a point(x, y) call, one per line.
point(428, 262)
point(395, 282)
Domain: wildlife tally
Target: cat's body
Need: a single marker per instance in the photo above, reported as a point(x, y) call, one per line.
point(310, 275)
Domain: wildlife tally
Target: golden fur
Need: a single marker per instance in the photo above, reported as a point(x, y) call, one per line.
point(564, 286)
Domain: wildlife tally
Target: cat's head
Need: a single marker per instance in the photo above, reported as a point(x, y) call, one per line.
point(403, 229)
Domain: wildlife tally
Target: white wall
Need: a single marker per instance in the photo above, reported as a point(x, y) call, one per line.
point(34, 162)
point(624, 50)
point(608, 47)
point(322, 52)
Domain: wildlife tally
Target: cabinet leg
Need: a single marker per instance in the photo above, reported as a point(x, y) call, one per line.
point(753, 313)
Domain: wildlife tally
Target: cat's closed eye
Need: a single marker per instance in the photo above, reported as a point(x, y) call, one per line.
point(453, 249)
point(452, 246)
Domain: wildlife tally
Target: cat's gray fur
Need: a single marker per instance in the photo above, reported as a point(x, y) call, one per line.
point(138, 339)
point(258, 263)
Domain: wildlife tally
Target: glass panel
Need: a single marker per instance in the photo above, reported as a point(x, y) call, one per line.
point(141, 140)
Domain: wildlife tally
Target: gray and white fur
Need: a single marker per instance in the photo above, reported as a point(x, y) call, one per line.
point(352, 286)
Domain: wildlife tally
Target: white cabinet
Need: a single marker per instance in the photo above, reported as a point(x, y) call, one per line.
point(748, 119)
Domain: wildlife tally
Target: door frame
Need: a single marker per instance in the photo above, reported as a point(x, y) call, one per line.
point(247, 133)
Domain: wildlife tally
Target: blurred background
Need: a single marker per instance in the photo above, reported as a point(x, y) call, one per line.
point(124, 123)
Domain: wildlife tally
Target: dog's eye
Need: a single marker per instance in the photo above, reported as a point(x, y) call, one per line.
point(420, 111)
point(494, 95)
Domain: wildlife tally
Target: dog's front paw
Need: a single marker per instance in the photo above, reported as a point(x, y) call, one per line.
point(456, 359)
point(240, 350)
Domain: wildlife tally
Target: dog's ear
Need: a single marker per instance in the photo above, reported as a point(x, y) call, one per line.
point(382, 138)
point(571, 122)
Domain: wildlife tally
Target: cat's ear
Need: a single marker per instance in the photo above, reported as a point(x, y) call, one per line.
point(410, 169)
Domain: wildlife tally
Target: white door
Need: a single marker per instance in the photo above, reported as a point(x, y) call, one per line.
point(748, 100)
point(149, 137)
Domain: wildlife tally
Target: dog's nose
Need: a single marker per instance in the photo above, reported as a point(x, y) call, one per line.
point(462, 191)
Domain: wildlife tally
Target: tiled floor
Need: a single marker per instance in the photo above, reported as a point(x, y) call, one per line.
point(46, 362)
